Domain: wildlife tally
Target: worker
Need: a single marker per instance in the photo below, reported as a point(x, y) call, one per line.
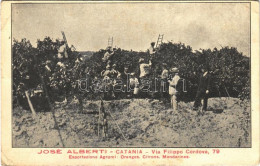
point(173, 88)
point(151, 50)
point(107, 72)
point(62, 52)
point(164, 78)
point(118, 83)
point(109, 53)
point(145, 68)
point(125, 73)
point(145, 71)
point(108, 83)
point(164, 83)
point(203, 90)
point(134, 83)
point(114, 72)
point(125, 76)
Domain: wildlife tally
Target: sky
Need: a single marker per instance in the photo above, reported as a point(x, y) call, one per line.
point(135, 25)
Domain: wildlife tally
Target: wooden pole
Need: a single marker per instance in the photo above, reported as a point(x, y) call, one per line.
point(117, 125)
point(99, 121)
point(49, 102)
point(30, 103)
point(226, 91)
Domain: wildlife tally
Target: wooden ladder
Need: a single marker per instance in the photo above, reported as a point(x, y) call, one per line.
point(110, 42)
point(159, 40)
point(66, 44)
point(65, 39)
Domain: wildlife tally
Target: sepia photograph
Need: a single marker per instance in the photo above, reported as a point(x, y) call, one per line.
point(131, 75)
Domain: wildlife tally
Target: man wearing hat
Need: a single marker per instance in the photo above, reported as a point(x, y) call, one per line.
point(172, 88)
point(203, 90)
point(151, 50)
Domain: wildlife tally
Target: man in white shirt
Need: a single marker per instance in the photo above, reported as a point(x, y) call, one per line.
point(144, 68)
point(172, 88)
point(164, 77)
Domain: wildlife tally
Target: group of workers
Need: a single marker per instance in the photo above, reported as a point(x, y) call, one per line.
point(60, 77)
point(169, 79)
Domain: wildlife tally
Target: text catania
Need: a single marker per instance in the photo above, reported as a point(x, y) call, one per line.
point(129, 151)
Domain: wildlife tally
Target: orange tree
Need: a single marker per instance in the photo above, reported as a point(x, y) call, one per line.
point(230, 69)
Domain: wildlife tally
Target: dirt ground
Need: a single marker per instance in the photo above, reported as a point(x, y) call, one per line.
point(143, 123)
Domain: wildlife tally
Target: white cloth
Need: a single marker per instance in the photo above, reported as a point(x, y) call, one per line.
point(173, 92)
point(172, 85)
point(134, 82)
point(151, 50)
point(174, 103)
point(145, 69)
point(174, 80)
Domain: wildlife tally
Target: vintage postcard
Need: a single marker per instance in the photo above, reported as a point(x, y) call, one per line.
point(130, 83)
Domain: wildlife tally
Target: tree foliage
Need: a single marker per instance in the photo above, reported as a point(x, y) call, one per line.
point(230, 69)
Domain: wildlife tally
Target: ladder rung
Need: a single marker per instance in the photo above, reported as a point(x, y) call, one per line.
point(159, 40)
